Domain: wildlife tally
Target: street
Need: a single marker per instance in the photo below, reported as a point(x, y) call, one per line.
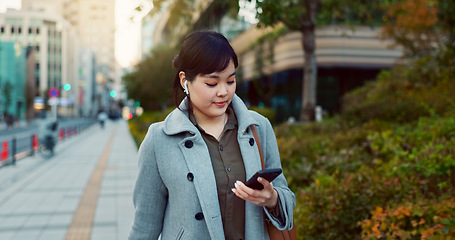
point(83, 192)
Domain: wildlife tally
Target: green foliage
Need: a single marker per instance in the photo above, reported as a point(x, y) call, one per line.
point(151, 81)
point(139, 125)
point(297, 15)
point(421, 219)
point(344, 178)
point(446, 16)
point(7, 90)
point(422, 88)
point(384, 168)
point(269, 113)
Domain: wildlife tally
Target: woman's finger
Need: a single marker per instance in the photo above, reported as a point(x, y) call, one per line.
point(258, 197)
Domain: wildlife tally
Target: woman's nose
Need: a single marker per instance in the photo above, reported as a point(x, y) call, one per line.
point(223, 90)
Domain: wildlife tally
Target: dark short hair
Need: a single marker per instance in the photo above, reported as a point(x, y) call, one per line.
point(202, 52)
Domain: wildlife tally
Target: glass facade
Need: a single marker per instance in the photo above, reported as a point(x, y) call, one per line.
point(12, 79)
point(282, 90)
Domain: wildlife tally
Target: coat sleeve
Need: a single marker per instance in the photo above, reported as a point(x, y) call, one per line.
point(286, 198)
point(150, 193)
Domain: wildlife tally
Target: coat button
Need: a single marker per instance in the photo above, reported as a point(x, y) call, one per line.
point(188, 144)
point(199, 216)
point(251, 141)
point(190, 177)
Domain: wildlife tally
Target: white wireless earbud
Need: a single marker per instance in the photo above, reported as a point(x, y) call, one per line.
point(185, 85)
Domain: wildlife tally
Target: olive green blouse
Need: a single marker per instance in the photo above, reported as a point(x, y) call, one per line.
point(227, 163)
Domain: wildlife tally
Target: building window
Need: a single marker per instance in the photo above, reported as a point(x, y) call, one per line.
point(19, 30)
point(12, 30)
point(2, 29)
point(29, 30)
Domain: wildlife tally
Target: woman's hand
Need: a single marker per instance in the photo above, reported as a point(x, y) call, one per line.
point(267, 197)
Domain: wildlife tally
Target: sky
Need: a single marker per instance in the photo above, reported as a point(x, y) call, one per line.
point(127, 21)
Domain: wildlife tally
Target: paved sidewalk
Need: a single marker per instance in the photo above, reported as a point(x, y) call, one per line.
point(84, 190)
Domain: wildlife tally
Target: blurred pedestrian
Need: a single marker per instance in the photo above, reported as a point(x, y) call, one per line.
point(9, 120)
point(48, 133)
point(102, 117)
point(193, 165)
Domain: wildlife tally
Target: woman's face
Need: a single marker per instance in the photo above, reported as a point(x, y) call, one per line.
point(212, 93)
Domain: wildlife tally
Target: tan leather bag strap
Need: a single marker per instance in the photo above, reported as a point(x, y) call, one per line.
point(256, 138)
point(273, 232)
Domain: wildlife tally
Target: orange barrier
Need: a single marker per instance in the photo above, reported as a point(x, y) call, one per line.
point(61, 134)
point(35, 143)
point(5, 152)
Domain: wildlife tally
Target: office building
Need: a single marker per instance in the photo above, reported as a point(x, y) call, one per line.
point(55, 43)
point(94, 21)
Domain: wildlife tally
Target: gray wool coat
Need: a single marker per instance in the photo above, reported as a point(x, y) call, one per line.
point(175, 193)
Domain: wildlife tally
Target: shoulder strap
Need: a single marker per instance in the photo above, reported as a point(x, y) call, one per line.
point(256, 138)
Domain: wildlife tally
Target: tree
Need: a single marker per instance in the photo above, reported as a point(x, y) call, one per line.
point(7, 90)
point(413, 25)
point(424, 29)
point(304, 16)
point(446, 16)
point(150, 82)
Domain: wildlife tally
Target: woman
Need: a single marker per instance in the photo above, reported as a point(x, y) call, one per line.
point(192, 166)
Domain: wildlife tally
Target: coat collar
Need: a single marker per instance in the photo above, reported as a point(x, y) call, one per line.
point(178, 122)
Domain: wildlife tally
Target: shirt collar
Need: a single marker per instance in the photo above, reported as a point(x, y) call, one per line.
point(231, 122)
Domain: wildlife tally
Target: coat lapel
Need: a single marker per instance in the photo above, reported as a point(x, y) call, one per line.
point(198, 160)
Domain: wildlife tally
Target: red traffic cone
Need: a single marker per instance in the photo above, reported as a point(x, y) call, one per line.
point(35, 143)
point(60, 134)
point(5, 153)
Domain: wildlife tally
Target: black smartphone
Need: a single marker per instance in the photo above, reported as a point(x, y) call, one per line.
point(268, 174)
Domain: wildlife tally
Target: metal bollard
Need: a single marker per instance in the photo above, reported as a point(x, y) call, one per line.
point(32, 152)
point(13, 151)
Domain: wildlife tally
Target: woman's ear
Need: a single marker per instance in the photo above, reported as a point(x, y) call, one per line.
point(182, 79)
point(184, 82)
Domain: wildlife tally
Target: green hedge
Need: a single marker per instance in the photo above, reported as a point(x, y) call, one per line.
point(139, 125)
point(385, 167)
point(392, 167)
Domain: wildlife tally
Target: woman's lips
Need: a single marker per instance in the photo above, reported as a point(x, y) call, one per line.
point(220, 104)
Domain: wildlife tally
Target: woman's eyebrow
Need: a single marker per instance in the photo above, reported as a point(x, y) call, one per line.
point(216, 76)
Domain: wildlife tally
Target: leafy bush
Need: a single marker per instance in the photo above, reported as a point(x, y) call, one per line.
point(384, 168)
point(421, 219)
point(422, 88)
point(269, 113)
point(389, 166)
point(139, 125)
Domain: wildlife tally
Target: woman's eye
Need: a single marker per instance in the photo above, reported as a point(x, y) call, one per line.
point(231, 82)
point(211, 85)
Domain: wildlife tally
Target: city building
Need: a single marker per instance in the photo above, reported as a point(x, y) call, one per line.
point(54, 44)
point(94, 21)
